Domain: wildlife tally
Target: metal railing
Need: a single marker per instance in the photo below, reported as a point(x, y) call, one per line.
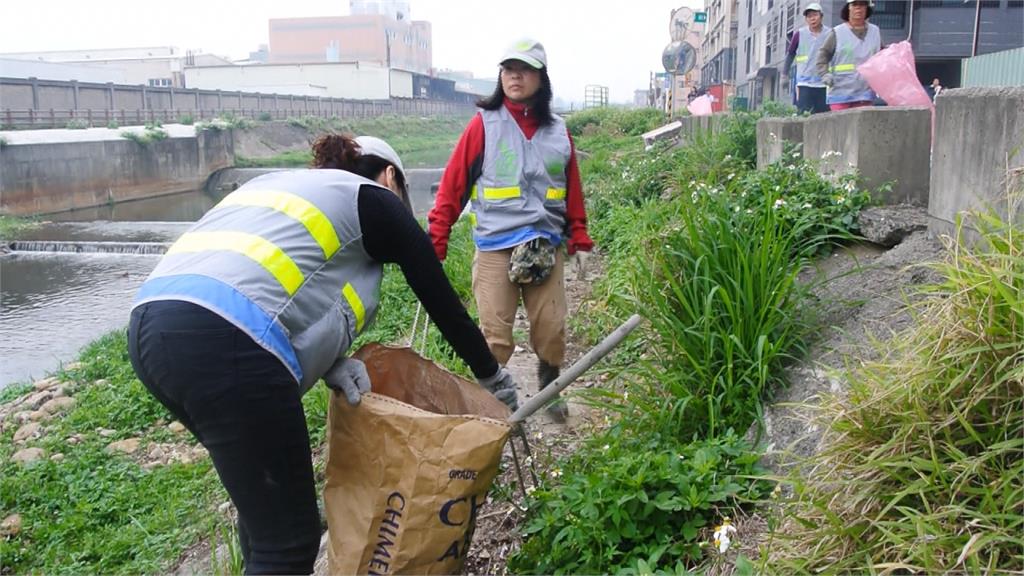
point(34, 103)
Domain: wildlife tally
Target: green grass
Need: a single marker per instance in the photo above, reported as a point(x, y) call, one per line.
point(421, 142)
point(290, 159)
point(923, 466)
point(11, 226)
point(92, 511)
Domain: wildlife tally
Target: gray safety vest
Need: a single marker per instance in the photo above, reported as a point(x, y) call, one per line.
point(520, 194)
point(806, 56)
point(281, 258)
point(848, 85)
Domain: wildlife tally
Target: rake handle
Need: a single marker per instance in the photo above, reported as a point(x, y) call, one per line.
point(582, 365)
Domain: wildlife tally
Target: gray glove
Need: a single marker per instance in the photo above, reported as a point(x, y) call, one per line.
point(349, 377)
point(503, 387)
point(828, 80)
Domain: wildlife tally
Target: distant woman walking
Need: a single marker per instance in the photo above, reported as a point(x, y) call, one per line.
point(847, 45)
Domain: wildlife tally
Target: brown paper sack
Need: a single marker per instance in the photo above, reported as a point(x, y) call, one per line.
point(409, 468)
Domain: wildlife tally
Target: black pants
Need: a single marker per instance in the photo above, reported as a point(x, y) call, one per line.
point(811, 100)
point(244, 406)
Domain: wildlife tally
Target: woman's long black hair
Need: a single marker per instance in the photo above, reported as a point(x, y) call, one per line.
point(541, 104)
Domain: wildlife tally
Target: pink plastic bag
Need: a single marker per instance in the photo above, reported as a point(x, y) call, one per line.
point(891, 74)
point(701, 106)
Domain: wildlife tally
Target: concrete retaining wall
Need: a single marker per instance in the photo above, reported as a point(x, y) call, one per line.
point(978, 155)
point(774, 135)
point(59, 176)
point(883, 144)
point(694, 127)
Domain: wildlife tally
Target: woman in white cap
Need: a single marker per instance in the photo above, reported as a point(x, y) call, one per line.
point(845, 46)
point(803, 49)
point(261, 298)
point(515, 166)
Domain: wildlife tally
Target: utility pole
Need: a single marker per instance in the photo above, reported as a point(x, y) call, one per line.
point(977, 25)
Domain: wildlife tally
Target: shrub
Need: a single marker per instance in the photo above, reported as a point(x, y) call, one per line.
point(265, 117)
point(186, 119)
point(627, 499)
point(113, 125)
point(152, 133)
point(77, 124)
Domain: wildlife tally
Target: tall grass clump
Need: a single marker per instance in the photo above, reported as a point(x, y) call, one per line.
point(923, 470)
point(721, 294)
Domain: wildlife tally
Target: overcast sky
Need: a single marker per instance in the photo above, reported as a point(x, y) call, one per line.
point(615, 44)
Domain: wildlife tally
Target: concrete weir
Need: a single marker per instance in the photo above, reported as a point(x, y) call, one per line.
point(47, 171)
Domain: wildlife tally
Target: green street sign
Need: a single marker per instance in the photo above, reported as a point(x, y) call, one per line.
point(700, 16)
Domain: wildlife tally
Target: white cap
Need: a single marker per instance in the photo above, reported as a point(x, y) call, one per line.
point(527, 50)
point(812, 6)
point(376, 147)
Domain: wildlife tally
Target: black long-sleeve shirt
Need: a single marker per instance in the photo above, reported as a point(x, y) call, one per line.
point(392, 235)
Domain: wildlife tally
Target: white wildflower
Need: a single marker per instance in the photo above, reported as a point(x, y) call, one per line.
point(605, 447)
point(807, 205)
point(727, 157)
point(556, 473)
point(730, 176)
point(791, 167)
point(735, 208)
point(840, 199)
point(779, 202)
point(530, 490)
point(749, 211)
point(723, 535)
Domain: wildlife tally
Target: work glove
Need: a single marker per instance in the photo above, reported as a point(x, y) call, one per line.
point(578, 263)
point(828, 80)
point(503, 387)
point(349, 377)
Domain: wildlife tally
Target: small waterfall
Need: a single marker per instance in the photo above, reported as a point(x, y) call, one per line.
point(85, 247)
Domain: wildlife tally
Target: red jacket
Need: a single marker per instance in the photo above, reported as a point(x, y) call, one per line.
point(464, 168)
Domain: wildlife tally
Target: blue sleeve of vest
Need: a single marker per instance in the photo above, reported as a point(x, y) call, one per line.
point(393, 236)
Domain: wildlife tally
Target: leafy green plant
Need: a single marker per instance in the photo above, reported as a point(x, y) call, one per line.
point(628, 498)
point(113, 125)
point(264, 117)
point(186, 119)
point(922, 468)
point(77, 124)
point(152, 133)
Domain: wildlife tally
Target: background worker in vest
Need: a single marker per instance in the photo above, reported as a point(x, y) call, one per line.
point(803, 49)
point(844, 47)
point(515, 165)
point(263, 297)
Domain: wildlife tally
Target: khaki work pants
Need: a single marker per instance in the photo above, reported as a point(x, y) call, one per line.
point(497, 299)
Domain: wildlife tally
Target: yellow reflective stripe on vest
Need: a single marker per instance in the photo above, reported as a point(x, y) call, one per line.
point(502, 193)
point(296, 208)
point(356, 304)
point(472, 193)
point(801, 58)
point(844, 68)
point(556, 194)
point(257, 249)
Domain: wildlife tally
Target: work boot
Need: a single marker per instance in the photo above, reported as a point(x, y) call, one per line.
point(558, 410)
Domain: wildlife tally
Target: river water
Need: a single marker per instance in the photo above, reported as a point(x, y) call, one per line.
point(58, 293)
